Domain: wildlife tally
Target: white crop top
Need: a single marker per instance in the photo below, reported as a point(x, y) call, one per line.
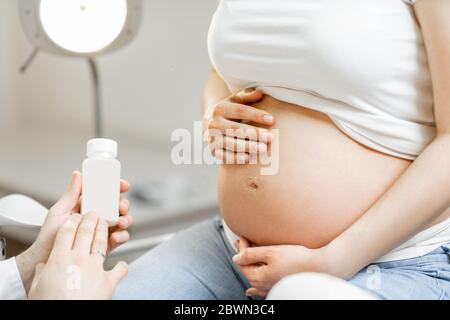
point(367, 71)
point(361, 62)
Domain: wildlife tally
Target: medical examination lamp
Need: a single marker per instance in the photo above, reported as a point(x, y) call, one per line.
point(80, 28)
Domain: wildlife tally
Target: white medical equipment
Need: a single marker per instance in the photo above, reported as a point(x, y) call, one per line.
point(18, 216)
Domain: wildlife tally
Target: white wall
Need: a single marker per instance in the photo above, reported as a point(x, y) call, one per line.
point(150, 87)
point(8, 63)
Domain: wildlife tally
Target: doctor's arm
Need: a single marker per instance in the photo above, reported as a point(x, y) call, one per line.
point(11, 286)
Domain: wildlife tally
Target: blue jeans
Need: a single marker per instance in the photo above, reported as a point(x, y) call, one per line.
point(196, 264)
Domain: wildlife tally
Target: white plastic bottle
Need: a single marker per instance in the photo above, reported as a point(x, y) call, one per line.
point(101, 180)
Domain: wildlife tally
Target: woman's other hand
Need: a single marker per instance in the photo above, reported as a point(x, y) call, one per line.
point(74, 269)
point(265, 266)
point(230, 139)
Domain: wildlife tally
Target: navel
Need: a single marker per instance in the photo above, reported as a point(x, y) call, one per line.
point(253, 183)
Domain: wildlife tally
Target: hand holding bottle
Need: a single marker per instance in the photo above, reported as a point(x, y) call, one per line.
point(75, 267)
point(68, 205)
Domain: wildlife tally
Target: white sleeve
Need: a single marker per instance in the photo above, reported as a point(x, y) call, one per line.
point(410, 1)
point(11, 286)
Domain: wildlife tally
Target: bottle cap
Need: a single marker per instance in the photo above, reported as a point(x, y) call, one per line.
point(105, 147)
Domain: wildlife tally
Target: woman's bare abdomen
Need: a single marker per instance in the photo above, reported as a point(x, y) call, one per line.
point(324, 183)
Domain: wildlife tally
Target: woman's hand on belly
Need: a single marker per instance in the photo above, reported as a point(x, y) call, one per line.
point(265, 266)
point(230, 140)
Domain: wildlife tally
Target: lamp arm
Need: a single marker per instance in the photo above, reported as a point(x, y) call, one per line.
point(29, 60)
point(96, 83)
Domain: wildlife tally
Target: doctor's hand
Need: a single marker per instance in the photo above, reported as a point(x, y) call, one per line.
point(265, 266)
point(230, 139)
point(74, 269)
point(69, 204)
point(66, 206)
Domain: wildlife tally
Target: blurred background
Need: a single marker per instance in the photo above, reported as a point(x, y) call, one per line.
point(150, 88)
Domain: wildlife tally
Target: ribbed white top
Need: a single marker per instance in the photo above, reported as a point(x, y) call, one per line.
point(361, 62)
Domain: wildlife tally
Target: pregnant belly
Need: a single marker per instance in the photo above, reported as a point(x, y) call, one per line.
point(325, 181)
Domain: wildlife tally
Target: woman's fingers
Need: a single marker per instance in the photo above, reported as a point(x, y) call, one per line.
point(100, 241)
point(254, 255)
point(245, 131)
point(235, 111)
point(228, 157)
point(232, 136)
point(238, 145)
point(253, 292)
point(224, 127)
point(66, 234)
point(248, 96)
point(227, 125)
point(236, 151)
point(85, 234)
point(243, 244)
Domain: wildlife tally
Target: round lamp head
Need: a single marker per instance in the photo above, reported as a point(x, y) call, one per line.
point(80, 27)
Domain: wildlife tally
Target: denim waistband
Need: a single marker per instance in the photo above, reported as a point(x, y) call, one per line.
point(441, 254)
